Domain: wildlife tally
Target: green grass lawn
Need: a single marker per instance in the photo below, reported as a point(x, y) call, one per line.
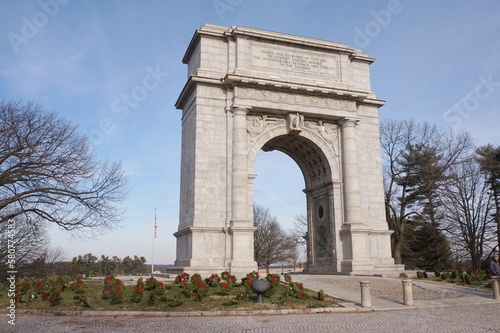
point(187, 294)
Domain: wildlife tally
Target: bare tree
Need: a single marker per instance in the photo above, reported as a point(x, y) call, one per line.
point(48, 173)
point(25, 242)
point(299, 230)
point(416, 157)
point(54, 255)
point(296, 257)
point(469, 206)
point(271, 243)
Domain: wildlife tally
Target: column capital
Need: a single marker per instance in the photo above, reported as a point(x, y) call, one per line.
point(348, 122)
point(239, 110)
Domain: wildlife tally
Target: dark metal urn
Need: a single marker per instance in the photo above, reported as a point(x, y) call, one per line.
point(260, 287)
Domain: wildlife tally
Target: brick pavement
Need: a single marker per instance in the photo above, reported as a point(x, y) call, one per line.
point(477, 312)
point(456, 318)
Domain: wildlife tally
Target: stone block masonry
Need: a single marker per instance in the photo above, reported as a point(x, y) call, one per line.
point(250, 90)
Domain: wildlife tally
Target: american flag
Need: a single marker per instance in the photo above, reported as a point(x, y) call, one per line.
point(156, 225)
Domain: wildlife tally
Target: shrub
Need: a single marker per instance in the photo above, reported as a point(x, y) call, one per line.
point(213, 280)
point(54, 295)
point(247, 281)
point(296, 289)
point(182, 279)
point(224, 287)
point(81, 300)
point(301, 295)
point(151, 292)
point(155, 286)
point(151, 284)
point(321, 295)
point(116, 295)
point(138, 292)
point(38, 286)
point(112, 289)
point(196, 288)
point(77, 286)
point(151, 299)
point(230, 279)
point(274, 279)
point(196, 278)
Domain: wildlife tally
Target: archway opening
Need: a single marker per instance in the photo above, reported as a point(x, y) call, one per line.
point(279, 187)
point(313, 168)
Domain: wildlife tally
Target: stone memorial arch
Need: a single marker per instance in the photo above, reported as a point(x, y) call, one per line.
point(249, 89)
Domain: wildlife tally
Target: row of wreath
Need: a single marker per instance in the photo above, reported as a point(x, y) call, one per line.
point(191, 287)
point(197, 288)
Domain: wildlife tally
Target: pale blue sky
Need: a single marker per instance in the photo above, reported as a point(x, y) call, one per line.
point(436, 60)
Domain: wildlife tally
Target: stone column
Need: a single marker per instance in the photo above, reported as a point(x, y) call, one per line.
point(350, 172)
point(354, 234)
point(241, 228)
point(310, 234)
point(239, 195)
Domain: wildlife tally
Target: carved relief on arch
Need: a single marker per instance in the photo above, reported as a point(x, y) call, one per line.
point(328, 131)
point(258, 124)
point(295, 121)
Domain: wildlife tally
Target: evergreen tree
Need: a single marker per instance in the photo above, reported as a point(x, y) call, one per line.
point(489, 160)
point(426, 247)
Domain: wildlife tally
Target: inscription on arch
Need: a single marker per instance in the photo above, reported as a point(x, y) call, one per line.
point(280, 57)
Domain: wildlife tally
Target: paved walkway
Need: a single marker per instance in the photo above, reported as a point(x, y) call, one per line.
point(442, 311)
point(387, 293)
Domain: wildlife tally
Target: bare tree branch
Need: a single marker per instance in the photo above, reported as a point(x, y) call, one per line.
point(416, 157)
point(468, 215)
point(48, 172)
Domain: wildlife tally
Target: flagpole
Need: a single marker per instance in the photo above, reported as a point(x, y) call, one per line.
point(153, 256)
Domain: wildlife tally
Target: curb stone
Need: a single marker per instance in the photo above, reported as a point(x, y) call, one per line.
point(215, 313)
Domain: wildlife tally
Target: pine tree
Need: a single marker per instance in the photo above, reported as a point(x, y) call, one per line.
point(489, 160)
